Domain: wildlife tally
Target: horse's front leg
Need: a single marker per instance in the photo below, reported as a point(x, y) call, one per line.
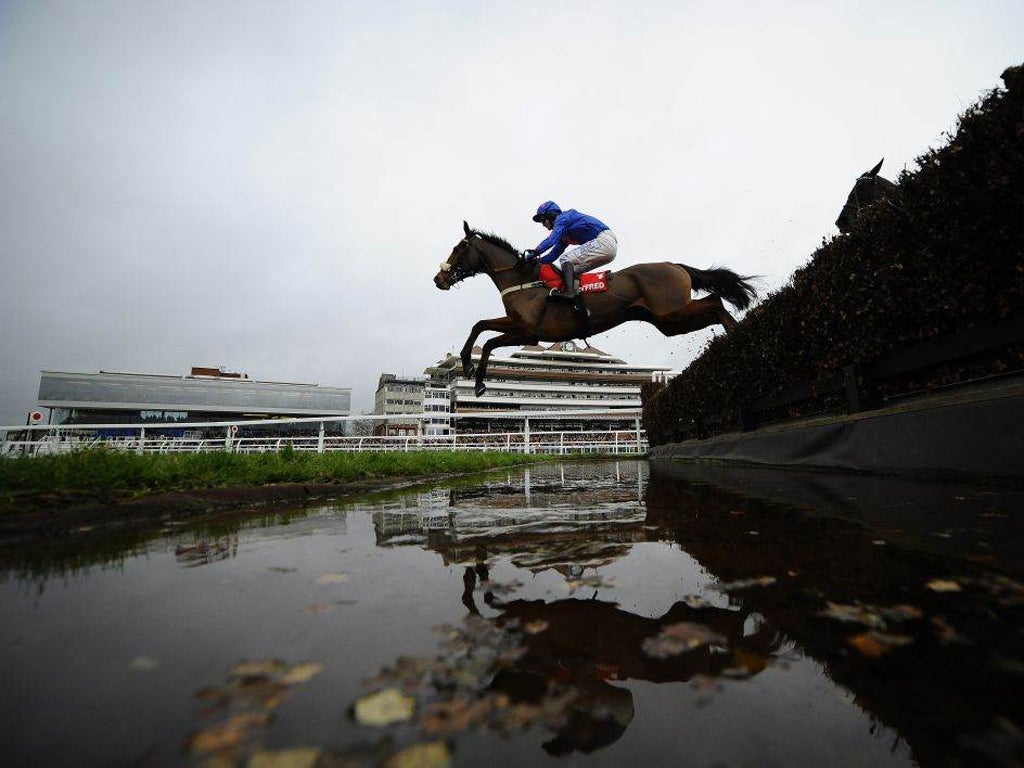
point(494, 324)
point(505, 340)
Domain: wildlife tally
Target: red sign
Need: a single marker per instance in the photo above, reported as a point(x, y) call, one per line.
point(35, 417)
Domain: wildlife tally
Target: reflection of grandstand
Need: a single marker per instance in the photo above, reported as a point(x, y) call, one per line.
point(409, 515)
point(545, 517)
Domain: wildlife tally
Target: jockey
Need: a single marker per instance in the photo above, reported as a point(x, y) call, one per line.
point(595, 245)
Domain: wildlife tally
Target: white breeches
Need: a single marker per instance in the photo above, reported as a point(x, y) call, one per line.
point(591, 254)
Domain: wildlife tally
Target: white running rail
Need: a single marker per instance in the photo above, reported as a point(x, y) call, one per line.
point(311, 435)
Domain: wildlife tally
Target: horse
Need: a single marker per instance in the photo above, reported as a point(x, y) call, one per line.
point(867, 189)
point(655, 293)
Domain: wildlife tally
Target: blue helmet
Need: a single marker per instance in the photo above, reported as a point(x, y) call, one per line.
point(550, 208)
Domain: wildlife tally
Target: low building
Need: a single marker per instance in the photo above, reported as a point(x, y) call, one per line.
point(207, 394)
point(559, 377)
point(395, 395)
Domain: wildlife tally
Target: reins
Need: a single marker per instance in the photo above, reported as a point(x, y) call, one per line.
point(523, 287)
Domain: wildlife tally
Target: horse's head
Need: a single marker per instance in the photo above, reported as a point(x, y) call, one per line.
point(868, 188)
point(473, 254)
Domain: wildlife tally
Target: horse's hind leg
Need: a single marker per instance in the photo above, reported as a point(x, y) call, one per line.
point(698, 314)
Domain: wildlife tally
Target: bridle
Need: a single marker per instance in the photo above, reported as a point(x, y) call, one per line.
point(459, 271)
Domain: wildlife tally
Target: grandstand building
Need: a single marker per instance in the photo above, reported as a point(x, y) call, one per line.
point(207, 394)
point(559, 377)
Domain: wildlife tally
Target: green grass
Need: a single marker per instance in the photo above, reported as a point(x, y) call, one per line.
point(107, 470)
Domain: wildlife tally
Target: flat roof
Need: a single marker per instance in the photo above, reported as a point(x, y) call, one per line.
point(215, 394)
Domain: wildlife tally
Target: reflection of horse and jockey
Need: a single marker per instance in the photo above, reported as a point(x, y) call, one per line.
point(585, 645)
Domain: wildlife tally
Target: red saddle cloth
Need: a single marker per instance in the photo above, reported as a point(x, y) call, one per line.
point(591, 282)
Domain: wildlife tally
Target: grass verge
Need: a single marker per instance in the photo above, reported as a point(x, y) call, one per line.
point(106, 470)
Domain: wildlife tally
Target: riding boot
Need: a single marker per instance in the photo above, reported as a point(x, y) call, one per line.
point(569, 283)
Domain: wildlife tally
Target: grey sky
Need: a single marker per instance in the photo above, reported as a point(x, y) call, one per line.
point(271, 186)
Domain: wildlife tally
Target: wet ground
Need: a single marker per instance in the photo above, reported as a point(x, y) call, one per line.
point(594, 613)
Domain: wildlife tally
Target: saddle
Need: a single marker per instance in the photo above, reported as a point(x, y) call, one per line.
point(590, 282)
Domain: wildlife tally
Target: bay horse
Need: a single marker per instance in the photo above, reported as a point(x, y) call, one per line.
point(867, 189)
point(655, 293)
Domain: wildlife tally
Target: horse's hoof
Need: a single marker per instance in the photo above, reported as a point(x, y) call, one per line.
point(480, 389)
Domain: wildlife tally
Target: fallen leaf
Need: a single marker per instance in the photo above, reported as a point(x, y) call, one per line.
point(258, 669)
point(432, 755)
point(331, 578)
point(676, 639)
point(535, 627)
point(451, 718)
point(856, 614)
point(384, 708)
point(901, 613)
point(302, 673)
point(760, 581)
point(875, 644)
point(943, 585)
point(297, 757)
point(317, 608)
point(227, 735)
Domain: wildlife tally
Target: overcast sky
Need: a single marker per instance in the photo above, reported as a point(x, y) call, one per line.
point(270, 187)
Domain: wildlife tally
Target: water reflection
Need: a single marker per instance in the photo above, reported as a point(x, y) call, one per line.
point(603, 610)
point(572, 656)
point(848, 584)
point(575, 649)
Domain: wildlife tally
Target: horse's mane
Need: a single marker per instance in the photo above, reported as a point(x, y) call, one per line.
point(498, 241)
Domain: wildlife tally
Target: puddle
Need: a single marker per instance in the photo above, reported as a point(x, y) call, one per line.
point(610, 612)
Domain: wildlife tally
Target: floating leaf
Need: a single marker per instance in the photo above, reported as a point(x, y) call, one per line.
point(535, 627)
point(856, 614)
point(258, 669)
point(760, 581)
point(901, 613)
point(432, 755)
point(331, 578)
point(676, 639)
point(298, 757)
point(943, 585)
point(877, 644)
point(302, 673)
point(453, 717)
point(384, 708)
point(317, 608)
point(227, 735)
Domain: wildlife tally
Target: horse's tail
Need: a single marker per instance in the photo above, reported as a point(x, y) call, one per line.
point(723, 283)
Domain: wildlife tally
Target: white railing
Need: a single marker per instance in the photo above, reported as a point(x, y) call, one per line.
point(311, 435)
